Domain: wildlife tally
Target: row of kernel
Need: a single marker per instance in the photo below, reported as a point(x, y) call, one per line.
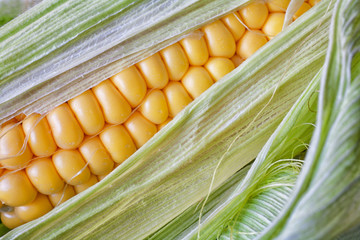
point(66, 125)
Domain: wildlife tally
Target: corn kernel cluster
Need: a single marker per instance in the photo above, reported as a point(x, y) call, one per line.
point(78, 143)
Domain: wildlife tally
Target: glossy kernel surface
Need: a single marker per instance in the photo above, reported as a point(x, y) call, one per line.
point(254, 15)
point(14, 152)
point(232, 22)
point(40, 140)
point(196, 81)
point(95, 154)
point(65, 128)
point(37, 208)
point(71, 166)
point(177, 98)
point(44, 176)
point(175, 61)
point(218, 67)
point(88, 112)
point(140, 129)
point(219, 39)
point(16, 188)
point(195, 48)
point(250, 42)
point(273, 24)
point(155, 107)
point(154, 71)
point(114, 106)
point(118, 142)
point(131, 84)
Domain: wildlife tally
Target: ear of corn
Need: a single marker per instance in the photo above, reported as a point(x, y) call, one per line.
point(143, 171)
point(113, 101)
point(136, 183)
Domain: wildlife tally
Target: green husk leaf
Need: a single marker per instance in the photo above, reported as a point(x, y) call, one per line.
point(289, 140)
point(220, 132)
point(189, 218)
point(325, 202)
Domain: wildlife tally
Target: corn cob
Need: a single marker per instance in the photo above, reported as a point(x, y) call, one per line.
point(81, 141)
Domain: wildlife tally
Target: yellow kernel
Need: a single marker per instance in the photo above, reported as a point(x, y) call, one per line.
point(154, 71)
point(88, 112)
point(219, 39)
point(71, 166)
point(11, 220)
point(37, 208)
point(140, 129)
point(254, 15)
point(43, 175)
point(96, 155)
point(250, 43)
point(162, 125)
point(118, 142)
point(65, 128)
point(41, 141)
point(154, 107)
point(277, 5)
point(175, 61)
point(176, 97)
point(195, 48)
point(65, 194)
point(16, 188)
point(196, 81)
point(14, 151)
point(131, 84)
point(273, 24)
point(237, 60)
point(82, 187)
point(234, 25)
point(314, 2)
point(303, 8)
point(219, 67)
point(115, 108)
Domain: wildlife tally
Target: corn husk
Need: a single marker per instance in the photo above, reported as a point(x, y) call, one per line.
point(215, 136)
